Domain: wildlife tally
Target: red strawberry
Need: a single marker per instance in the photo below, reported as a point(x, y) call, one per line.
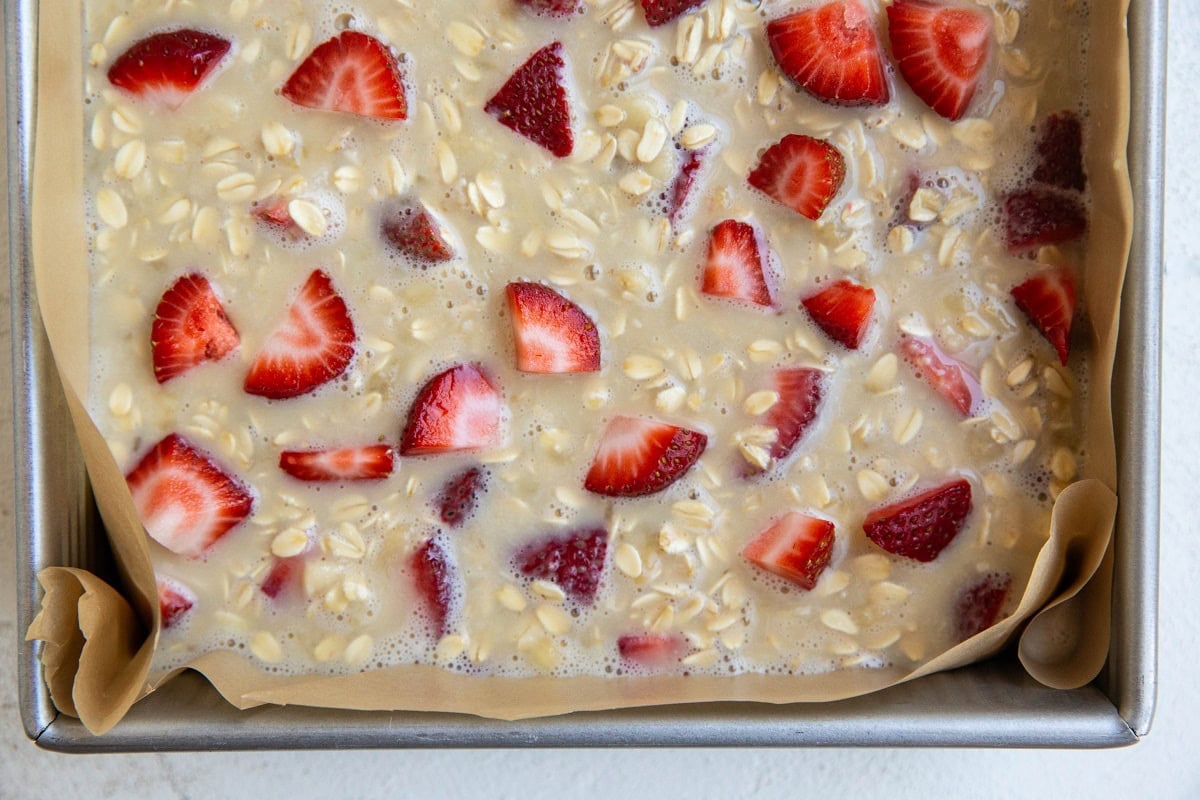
point(351, 72)
point(190, 327)
point(575, 562)
point(1049, 301)
point(1037, 217)
point(654, 650)
point(735, 267)
point(273, 213)
point(553, 335)
point(551, 8)
point(948, 376)
point(311, 347)
point(980, 604)
point(534, 102)
point(173, 602)
point(412, 230)
point(164, 69)
point(842, 310)
point(831, 51)
point(284, 578)
point(1060, 152)
point(458, 409)
point(435, 577)
point(660, 12)
point(185, 500)
point(457, 499)
point(681, 189)
point(369, 463)
point(800, 390)
point(921, 526)
point(801, 172)
point(642, 456)
point(940, 50)
point(796, 547)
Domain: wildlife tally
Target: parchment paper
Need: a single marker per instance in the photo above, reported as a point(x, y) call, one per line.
point(99, 641)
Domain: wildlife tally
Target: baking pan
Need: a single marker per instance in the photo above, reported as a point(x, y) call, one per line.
point(993, 704)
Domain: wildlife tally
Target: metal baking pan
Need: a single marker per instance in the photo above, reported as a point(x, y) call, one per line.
point(992, 704)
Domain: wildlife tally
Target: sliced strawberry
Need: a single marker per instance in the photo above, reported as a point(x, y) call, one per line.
point(676, 198)
point(796, 547)
point(980, 604)
point(458, 497)
point(551, 8)
point(368, 463)
point(166, 68)
point(735, 267)
point(413, 231)
point(921, 526)
point(1037, 217)
point(1048, 299)
point(948, 376)
point(800, 390)
point(801, 172)
point(574, 562)
point(832, 52)
point(436, 578)
point(185, 500)
point(653, 650)
point(940, 50)
point(533, 102)
point(660, 12)
point(843, 311)
point(553, 335)
point(311, 347)
point(173, 602)
point(273, 214)
point(284, 579)
point(458, 409)
point(190, 327)
point(352, 72)
point(642, 456)
point(1060, 152)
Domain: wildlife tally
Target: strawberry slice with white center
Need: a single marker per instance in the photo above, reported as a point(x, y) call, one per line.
point(921, 526)
point(843, 311)
point(458, 409)
point(190, 327)
point(832, 52)
point(940, 50)
point(801, 172)
point(369, 463)
point(651, 650)
point(184, 499)
point(311, 347)
point(413, 231)
point(352, 73)
point(173, 602)
point(533, 102)
point(660, 12)
point(800, 391)
point(948, 376)
point(735, 268)
point(166, 68)
point(642, 456)
point(1048, 300)
point(553, 335)
point(795, 547)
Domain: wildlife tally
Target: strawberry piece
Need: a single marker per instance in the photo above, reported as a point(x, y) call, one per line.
point(660, 12)
point(311, 347)
point(921, 526)
point(843, 311)
point(185, 500)
point(831, 51)
point(190, 327)
point(796, 547)
point(533, 102)
point(642, 456)
point(283, 580)
point(574, 562)
point(685, 180)
point(166, 68)
point(1060, 152)
point(980, 603)
point(1037, 217)
point(273, 214)
point(800, 390)
point(1048, 299)
point(553, 335)
point(412, 230)
point(941, 51)
point(353, 73)
point(654, 650)
point(458, 409)
point(801, 172)
point(457, 499)
point(173, 602)
point(735, 268)
point(948, 376)
point(369, 463)
point(436, 577)
point(551, 8)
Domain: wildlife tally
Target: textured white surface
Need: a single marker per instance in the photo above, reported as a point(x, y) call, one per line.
point(1162, 766)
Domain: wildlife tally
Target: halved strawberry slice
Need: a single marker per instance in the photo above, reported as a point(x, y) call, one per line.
point(574, 562)
point(185, 500)
point(311, 347)
point(642, 456)
point(457, 499)
point(1048, 299)
point(796, 547)
point(676, 198)
point(553, 335)
point(660, 12)
point(173, 602)
point(1060, 152)
point(458, 409)
point(921, 526)
point(436, 579)
point(832, 52)
point(551, 8)
point(1037, 217)
point(800, 390)
point(940, 50)
point(948, 376)
point(369, 463)
point(533, 102)
point(842, 310)
point(284, 579)
point(413, 231)
point(164, 69)
point(653, 650)
point(801, 172)
point(352, 72)
point(735, 268)
point(190, 327)
point(980, 603)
